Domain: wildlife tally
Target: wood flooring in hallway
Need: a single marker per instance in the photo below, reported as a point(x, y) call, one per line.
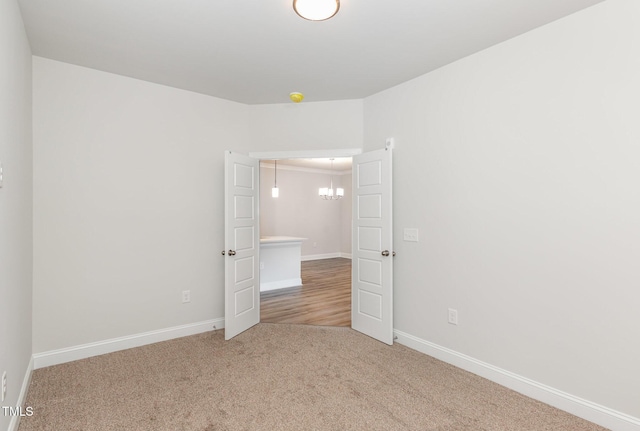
point(323, 299)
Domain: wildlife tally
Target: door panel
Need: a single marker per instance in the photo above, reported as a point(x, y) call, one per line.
point(245, 237)
point(369, 207)
point(370, 238)
point(371, 305)
point(372, 273)
point(242, 244)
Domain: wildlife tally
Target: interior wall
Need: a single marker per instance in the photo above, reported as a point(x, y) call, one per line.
point(520, 167)
point(128, 183)
point(346, 205)
point(15, 203)
point(299, 211)
point(128, 208)
point(306, 126)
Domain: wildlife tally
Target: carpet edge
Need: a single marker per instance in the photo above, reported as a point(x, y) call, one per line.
point(577, 406)
point(74, 353)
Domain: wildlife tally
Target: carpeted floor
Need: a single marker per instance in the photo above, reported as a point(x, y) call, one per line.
point(278, 377)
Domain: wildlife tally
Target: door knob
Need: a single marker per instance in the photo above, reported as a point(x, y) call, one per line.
point(385, 252)
point(223, 252)
point(232, 252)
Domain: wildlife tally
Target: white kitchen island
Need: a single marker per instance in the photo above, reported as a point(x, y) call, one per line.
point(280, 262)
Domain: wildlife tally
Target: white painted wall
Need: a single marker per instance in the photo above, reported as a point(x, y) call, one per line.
point(520, 166)
point(128, 183)
point(345, 214)
point(306, 126)
point(128, 204)
point(15, 203)
point(300, 212)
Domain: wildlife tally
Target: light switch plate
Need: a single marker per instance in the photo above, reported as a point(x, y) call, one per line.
point(411, 234)
point(0, 174)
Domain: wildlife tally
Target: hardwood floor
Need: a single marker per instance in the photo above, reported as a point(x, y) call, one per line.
point(323, 299)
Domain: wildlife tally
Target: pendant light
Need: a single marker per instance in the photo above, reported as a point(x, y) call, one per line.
point(327, 193)
point(316, 10)
point(275, 192)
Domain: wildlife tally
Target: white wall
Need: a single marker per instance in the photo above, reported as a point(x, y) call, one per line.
point(127, 188)
point(299, 211)
point(346, 222)
point(306, 126)
point(15, 203)
point(520, 166)
point(128, 208)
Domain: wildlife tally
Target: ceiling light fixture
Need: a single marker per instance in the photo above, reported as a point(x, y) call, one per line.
point(328, 193)
point(316, 10)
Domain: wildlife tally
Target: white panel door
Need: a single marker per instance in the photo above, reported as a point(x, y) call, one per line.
point(242, 244)
point(372, 246)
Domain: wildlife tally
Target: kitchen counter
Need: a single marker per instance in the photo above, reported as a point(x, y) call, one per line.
point(280, 262)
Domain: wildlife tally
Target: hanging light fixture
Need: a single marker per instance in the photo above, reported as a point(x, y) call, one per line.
point(275, 191)
point(316, 10)
point(327, 193)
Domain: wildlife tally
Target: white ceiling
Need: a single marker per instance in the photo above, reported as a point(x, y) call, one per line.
point(258, 51)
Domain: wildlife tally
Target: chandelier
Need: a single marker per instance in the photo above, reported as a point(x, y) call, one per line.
point(328, 193)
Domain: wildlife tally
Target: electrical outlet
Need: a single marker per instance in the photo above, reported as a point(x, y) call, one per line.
point(4, 385)
point(453, 316)
point(186, 296)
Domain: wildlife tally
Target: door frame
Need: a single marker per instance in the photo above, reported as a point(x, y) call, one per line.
point(305, 154)
point(345, 152)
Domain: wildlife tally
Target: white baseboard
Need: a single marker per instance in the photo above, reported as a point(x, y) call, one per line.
point(15, 420)
point(585, 409)
point(60, 356)
point(280, 284)
point(325, 256)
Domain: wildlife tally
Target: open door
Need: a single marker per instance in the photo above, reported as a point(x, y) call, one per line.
point(372, 246)
point(242, 244)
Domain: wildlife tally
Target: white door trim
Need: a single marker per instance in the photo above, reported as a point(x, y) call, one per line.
point(305, 154)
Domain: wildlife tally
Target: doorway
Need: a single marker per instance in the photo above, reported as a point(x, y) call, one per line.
point(297, 210)
point(372, 240)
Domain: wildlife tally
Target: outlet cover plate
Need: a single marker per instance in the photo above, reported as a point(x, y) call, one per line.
point(410, 234)
point(453, 316)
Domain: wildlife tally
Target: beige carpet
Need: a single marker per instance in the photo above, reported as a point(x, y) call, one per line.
point(278, 377)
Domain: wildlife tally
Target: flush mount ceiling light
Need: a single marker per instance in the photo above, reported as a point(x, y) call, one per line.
point(316, 10)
